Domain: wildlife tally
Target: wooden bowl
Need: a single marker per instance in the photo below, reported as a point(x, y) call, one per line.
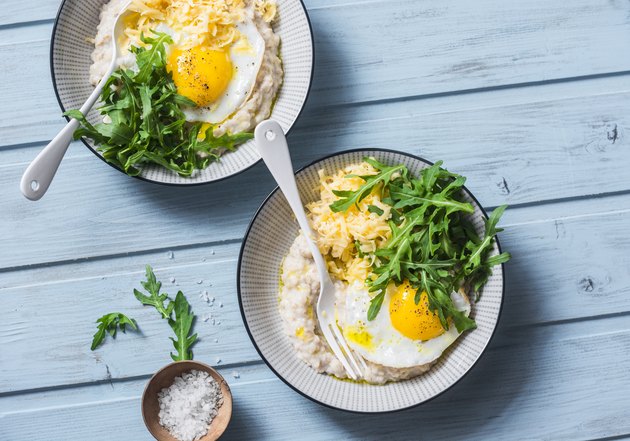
point(164, 378)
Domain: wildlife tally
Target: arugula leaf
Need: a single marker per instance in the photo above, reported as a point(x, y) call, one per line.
point(474, 259)
point(182, 325)
point(433, 245)
point(375, 209)
point(177, 312)
point(350, 198)
point(108, 324)
point(155, 299)
point(145, 121)
point(375, 305)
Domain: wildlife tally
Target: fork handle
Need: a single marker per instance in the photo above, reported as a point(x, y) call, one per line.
point(272, 146)
point(41, 171)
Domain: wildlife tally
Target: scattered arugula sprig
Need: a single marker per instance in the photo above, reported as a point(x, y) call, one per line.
point(433, 245)
point(146, 124)
point(155, 299)
point(181, 325)
point(181, 321)
point(109, 324)
point(177, 312)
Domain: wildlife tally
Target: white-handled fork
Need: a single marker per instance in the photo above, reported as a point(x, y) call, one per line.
point(272, 146)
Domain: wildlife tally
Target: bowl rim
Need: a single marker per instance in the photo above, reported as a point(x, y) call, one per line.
point(240, 297)
point(173, 184)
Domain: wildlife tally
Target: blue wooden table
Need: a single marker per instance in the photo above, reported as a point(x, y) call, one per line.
point(529, 99)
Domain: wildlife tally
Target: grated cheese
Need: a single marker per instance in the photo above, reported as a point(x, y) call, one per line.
point(210, 23)
point(267, 9)
point(338, 232)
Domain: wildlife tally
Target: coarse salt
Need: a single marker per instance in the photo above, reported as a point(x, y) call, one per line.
point(189, 405)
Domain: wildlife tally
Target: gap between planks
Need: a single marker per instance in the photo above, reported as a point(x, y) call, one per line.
point(505, 362)
point(557, 208)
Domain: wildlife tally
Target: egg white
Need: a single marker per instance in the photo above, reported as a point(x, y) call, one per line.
point(388, 347)
point(246, 57)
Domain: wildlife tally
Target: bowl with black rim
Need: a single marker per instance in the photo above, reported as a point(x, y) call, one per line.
point(70, 51)
point(267, 241)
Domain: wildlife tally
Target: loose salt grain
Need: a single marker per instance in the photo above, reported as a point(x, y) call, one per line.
point(189, 405)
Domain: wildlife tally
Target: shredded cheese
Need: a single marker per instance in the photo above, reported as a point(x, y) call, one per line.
point(211, 23)
point(267, 9)
point(338, 232)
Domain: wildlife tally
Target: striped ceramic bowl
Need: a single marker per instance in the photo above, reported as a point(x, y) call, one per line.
point(271, 233)
point(70, 61)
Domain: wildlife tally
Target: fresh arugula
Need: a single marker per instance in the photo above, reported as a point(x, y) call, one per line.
point(182, 325)
point(349, 198)
point(177, 312)
point(145, 122)
point(433, 245)
point(109, 324)
point(155, 299)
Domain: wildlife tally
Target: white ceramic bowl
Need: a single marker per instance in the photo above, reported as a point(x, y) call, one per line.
point(267, 241)
point(70, 62)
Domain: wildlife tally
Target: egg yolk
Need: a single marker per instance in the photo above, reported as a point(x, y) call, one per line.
point(200, 74)
point(416, 322)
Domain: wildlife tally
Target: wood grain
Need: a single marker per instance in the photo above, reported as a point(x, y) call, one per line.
point(514, 159)
point(24, 14)
point(78, 293)
point(431, 49)
point(528, 99)
point(551, 375)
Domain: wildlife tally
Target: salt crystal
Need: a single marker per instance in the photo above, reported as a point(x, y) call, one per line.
point(189, 405)
point(203, 259)
point(170, 255)
point(212, 252)
point(218, 360)
point(216, 340)
point(199, 282)
point(236, 374)
point(172, 279)
point(220, 304)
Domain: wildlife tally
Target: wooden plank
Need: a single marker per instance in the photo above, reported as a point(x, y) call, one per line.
point(426, 50)
point(58, 316)
point(539, 383)
point(514, 160)
point(64, 300)
point(16, 13)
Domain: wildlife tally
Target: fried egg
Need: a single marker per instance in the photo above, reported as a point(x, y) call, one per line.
point(403, 334)
point(218, 80)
